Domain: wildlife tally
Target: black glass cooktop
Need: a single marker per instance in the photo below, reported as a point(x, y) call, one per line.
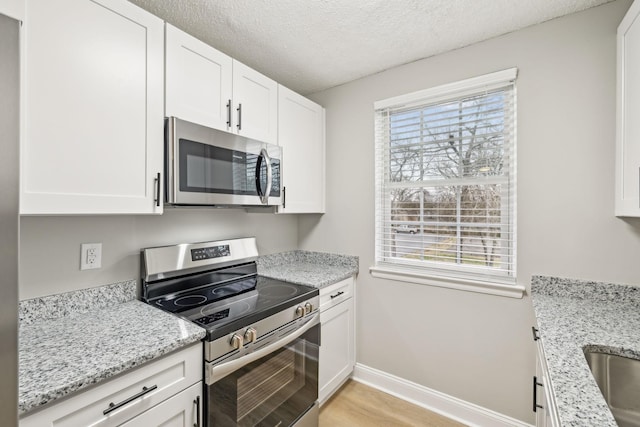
point(224, 308)
point(184, 301)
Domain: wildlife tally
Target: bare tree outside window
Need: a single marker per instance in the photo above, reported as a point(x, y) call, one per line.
point(448, 184)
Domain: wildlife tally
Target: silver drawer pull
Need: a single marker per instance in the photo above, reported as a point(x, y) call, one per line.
point(337, 295)
point(197, 403)
point(114, 406)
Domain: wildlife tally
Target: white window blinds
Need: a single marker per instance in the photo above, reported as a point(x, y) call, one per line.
point(445, 180)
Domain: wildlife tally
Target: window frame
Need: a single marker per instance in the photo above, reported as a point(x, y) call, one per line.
point(455, 276)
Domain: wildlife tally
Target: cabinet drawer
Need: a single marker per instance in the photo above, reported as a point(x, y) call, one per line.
point(182, 410)
point(132, 393)
point(336, 293)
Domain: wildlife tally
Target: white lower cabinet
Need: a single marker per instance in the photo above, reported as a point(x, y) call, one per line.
point(543, 401)
point(164, 392)
point(337, 348)
point(182, 410)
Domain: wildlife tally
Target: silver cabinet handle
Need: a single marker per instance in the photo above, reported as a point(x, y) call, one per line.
point(157, 183)
point(337, 295)
point(536, 337)
point(284, 197)
point(239, 110)
point(535, 394)
point(197, 403)
point(229, 114)
point(114, 406)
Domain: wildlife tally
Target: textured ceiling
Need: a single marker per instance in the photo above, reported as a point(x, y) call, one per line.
point(311, 45)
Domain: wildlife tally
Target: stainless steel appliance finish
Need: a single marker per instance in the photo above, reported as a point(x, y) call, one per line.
point(207, 166)
point(165, 262)
point(217, 367)
point(9, 218)
point(310, 418)
point(619, 381)
point(263, 335)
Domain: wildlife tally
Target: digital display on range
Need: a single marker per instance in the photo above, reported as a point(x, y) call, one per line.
point(210, 252)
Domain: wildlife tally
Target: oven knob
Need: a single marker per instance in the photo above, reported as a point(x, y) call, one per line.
point(236, 341)
point(300, 311)
point(250, 335)
point(308, 308)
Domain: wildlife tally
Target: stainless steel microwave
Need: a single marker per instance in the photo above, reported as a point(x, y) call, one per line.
point(206, 166)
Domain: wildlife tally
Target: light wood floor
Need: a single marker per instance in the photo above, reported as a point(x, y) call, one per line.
point(358, 405)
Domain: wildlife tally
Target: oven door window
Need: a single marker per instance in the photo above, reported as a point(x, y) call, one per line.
point(272, 391)
point(209, 169)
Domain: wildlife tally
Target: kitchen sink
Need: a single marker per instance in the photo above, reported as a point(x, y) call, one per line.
point(619, 380)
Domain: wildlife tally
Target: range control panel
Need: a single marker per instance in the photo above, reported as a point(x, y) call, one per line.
point(210, 252)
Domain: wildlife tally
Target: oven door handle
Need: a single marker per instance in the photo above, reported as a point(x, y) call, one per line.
point(215, 372)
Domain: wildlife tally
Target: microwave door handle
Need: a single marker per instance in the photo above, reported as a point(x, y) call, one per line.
point(214, 373)
point(258, 167)
point(267, 191)
point(264, 197)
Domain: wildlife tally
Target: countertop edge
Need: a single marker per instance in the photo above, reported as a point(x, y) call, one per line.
point(46, 397)
point(317, 284)
point(317, 269)
point(574, 315)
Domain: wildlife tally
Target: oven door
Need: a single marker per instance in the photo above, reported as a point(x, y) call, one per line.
point(211, 167)
point(272, 389)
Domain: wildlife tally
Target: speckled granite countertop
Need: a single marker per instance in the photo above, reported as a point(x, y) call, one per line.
point(317, 269)
point(573, 315)
point(70, 341)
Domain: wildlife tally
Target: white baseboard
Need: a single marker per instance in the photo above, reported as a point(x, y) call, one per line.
point(435, 401)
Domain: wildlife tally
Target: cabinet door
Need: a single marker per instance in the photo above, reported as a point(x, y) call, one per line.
point(547, 414)
point(628, 107)
point(539, 398)
point(337, 351)
point(93, 92)
point(255, 99)
point(301, 135)
point(132, 393)
point(182, 410)
point(198, 81)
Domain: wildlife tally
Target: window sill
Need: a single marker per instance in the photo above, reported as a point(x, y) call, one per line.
point(511, 291)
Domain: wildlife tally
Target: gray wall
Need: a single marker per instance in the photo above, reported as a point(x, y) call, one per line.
point(50, 246)
point(473, 346)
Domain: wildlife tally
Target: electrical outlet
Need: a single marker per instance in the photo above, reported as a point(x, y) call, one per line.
point(90, 256)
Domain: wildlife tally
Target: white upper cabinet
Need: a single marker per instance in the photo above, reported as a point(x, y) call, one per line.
point(627, 201)
point(207, 87)
point(255, 100)
point(301, 125)
point(93, 95)
point(12, 8)
point(198, 81)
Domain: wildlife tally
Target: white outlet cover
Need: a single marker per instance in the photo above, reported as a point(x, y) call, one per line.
point(90, 256)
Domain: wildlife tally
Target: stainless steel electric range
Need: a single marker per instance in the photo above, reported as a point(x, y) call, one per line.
point(263, 335)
